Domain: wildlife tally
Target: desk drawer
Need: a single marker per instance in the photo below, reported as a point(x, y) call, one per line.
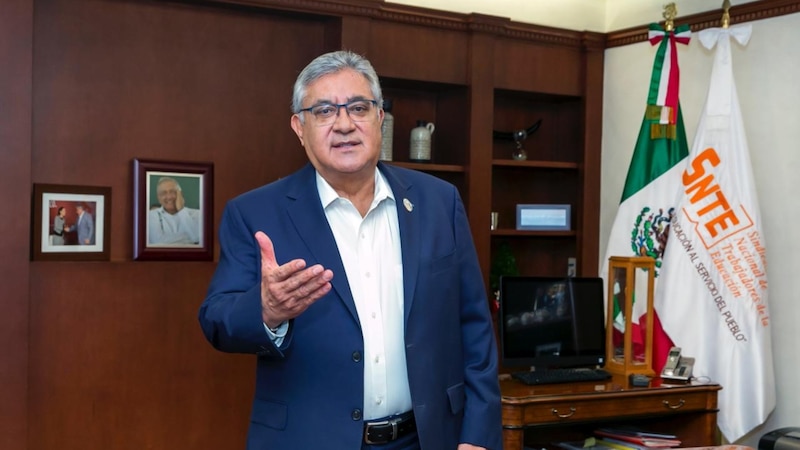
point(622, 405)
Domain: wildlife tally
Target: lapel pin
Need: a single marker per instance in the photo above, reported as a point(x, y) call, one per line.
point(407, 203)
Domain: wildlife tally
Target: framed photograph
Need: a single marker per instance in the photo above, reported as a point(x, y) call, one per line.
point(543, 217)
point(71, 223)
point(173, 210)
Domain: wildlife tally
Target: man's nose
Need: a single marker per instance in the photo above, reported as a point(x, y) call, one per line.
point(343, 119)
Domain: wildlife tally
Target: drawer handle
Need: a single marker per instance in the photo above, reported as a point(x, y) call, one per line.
point(564, 416)
point(679, 405)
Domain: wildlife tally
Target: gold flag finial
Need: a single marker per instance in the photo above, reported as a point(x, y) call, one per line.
point(726, 15)
point(670, 12)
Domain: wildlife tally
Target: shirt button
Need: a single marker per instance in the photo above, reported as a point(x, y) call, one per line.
point(374, 315)
point(378, 401)
point(356, 356)
point(356, 414)
point(377, 359)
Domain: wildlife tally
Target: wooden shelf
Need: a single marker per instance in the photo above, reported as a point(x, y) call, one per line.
point(508, 232)
point(535, 164)
point(429, 167)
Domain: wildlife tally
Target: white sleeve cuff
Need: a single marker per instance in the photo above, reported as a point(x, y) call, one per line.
point(277, 336)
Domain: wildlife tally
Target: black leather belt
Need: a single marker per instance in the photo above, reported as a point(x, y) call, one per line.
point(58, 234)
point(390, 429)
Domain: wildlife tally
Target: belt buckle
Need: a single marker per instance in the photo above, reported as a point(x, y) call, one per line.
point(392, 422)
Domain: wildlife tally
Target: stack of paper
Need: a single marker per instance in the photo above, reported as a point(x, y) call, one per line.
point(627, 439)
point(623, 439)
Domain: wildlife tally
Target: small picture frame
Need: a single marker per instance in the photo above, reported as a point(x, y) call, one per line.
point(543, 217)
point(173, 210)
point(70, 223)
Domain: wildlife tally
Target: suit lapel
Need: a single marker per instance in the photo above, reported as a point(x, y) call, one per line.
point(306, 213)
point(408, 216)
point(305, 210)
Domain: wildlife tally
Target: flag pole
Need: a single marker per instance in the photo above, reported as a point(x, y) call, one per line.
point(670, 12)
point(726, 16)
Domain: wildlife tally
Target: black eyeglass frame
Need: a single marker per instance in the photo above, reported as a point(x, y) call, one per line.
point(339, 106)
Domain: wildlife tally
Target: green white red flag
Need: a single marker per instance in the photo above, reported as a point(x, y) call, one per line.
point(712, 293)
point(651, 187)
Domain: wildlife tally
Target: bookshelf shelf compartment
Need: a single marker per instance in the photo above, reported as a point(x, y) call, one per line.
point(444, 105)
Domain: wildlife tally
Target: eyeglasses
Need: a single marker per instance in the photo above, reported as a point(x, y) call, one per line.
point(326, 113)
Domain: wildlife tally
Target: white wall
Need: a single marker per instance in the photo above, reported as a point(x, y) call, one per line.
point(766, 77)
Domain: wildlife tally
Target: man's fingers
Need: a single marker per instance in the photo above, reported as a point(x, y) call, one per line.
point(269, 263)
point(267, 251)
point(323, 289)
point(304, 283)
point(289, 286)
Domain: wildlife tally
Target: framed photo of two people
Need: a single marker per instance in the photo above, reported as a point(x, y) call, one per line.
point(173, 210)
point(70, 223)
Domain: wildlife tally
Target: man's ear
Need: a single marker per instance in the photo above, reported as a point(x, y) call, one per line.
point(297, 127)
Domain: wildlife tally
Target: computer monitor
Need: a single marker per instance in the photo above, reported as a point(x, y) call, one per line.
point(552, 322)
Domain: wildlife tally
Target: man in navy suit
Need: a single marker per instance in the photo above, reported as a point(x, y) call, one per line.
point(84, 225)
point(357, 285)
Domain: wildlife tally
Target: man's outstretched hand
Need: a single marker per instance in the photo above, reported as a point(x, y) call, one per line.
point(287, 290)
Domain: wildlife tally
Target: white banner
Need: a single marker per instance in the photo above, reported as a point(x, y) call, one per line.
point(713, 292)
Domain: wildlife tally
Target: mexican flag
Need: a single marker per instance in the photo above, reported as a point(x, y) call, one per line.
point(651, 187)
point(713, 291)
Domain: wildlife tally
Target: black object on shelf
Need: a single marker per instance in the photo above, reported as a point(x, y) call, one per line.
point(519, 135)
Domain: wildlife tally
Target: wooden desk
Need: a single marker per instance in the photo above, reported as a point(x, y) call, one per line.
point(564, 412)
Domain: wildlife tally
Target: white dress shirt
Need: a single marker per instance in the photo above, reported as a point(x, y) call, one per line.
point(371, 253)
point(181, 228)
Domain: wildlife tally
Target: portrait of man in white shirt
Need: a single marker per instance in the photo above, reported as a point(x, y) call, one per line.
point(173, 221)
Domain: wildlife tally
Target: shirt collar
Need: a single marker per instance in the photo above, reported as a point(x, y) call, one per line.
point(328, 195)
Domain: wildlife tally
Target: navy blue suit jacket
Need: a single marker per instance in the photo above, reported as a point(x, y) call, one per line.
point(309, 392)
point(85, 226)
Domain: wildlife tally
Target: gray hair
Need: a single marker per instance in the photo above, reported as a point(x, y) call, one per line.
point(163, 180)
point(331, 63)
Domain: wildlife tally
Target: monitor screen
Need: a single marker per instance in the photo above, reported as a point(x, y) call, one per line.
point(552, 322)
